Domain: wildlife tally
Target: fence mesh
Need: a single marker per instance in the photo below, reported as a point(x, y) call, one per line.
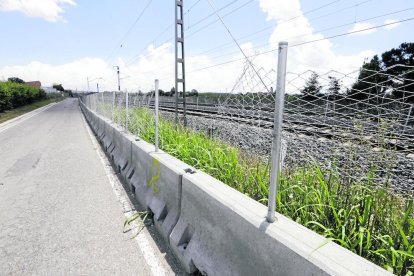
point(358, 124)
point(343, 136)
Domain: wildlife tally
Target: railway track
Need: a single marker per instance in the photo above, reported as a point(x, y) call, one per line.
point(401, 143)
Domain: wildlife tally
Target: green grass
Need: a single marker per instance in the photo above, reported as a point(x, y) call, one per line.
point(368, 220)
point(13, 113)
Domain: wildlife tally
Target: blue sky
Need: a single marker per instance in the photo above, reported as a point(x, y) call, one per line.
point(80, 39)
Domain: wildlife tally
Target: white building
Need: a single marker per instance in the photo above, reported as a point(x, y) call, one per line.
point(50, 90)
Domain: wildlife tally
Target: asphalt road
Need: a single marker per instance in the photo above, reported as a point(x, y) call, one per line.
point(59, 214)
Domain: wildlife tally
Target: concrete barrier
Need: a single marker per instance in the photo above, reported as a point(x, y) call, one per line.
point(166, 191)
point(94, 121)
point(223, 232)
point(156, 183)
point(108, 139)
point(100, 132)
point(122, 150)
point(216, 229)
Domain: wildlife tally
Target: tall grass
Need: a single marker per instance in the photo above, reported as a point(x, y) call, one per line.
point(362, 217)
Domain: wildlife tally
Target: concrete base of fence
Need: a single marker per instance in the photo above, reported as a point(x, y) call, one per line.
point(214, 228)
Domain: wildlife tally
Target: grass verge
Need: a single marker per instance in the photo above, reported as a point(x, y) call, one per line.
point(360, 216)
point(13, 113)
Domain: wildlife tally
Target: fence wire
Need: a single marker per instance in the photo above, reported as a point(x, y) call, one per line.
point(359, 125)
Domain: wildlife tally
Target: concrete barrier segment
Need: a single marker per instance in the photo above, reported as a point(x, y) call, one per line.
point(139, 174)
point(165, 192)
point(122, 152)
point(100, 133)
point(108, 139)
point(220, 231)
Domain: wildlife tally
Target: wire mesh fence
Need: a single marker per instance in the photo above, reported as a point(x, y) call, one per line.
point(358, 124)
point(346, 138)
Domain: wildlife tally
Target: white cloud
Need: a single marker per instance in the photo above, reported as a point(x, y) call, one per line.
point(158, 62)
point(359, 27)
point(294, 27)
point(393, 24)
point(49, 10)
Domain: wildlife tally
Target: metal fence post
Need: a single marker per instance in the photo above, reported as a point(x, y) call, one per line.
point(408, 117)
point(126, 110)
point(156, 114)
point(119, 108)
point(277, 130)
point(102, 104)
point(113, 106)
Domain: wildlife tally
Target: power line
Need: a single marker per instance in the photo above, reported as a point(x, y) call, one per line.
point(212, 14)
point(296, 17)
point(130, 29)
point(135, 22)
point(304, 35)
point(235, 41)
point(216, 20)
point(352, 32)
point(330, 28)
point(131, 60)
point(304, 43)
point(172, 25)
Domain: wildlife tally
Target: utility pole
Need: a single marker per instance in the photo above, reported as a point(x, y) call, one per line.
point(179, 58)
point(87, 80)
point(119, 79)
point(97, 87)
point(113, 94)
point(119, 94)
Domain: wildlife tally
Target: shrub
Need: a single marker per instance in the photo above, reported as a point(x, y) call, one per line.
point(14, 94)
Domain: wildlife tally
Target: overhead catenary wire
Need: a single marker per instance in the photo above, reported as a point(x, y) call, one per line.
point(226, 45)
point(305, 35)
point(172, 24)
point(119, 45)
point(235, 41)
point(300, 44)
point(135, 57)
point(293, 18)
point(311, 41)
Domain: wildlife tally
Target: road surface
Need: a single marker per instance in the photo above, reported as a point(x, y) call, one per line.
point(61, 211)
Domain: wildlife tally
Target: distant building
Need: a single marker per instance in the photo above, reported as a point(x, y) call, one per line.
point(36, 84)
point(50, 90)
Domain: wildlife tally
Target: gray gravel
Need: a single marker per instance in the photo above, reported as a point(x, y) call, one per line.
point(353, 161)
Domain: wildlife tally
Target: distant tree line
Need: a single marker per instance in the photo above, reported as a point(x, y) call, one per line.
point(391, 75)
point(171, 93)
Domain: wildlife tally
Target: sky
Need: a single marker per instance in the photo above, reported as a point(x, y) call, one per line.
point(73, 41)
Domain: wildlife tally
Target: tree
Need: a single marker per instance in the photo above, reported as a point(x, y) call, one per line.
point(390, 72)
point(15, 80)
point(312, 86)
point(193, 92)
point(172, 91)
point(370, 81)
point(334, 86)
point(400, 76)
point(58, 87)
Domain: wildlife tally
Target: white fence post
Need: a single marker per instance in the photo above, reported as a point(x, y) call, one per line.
point(156, 114)
point(126, 110)
point(277, 131)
